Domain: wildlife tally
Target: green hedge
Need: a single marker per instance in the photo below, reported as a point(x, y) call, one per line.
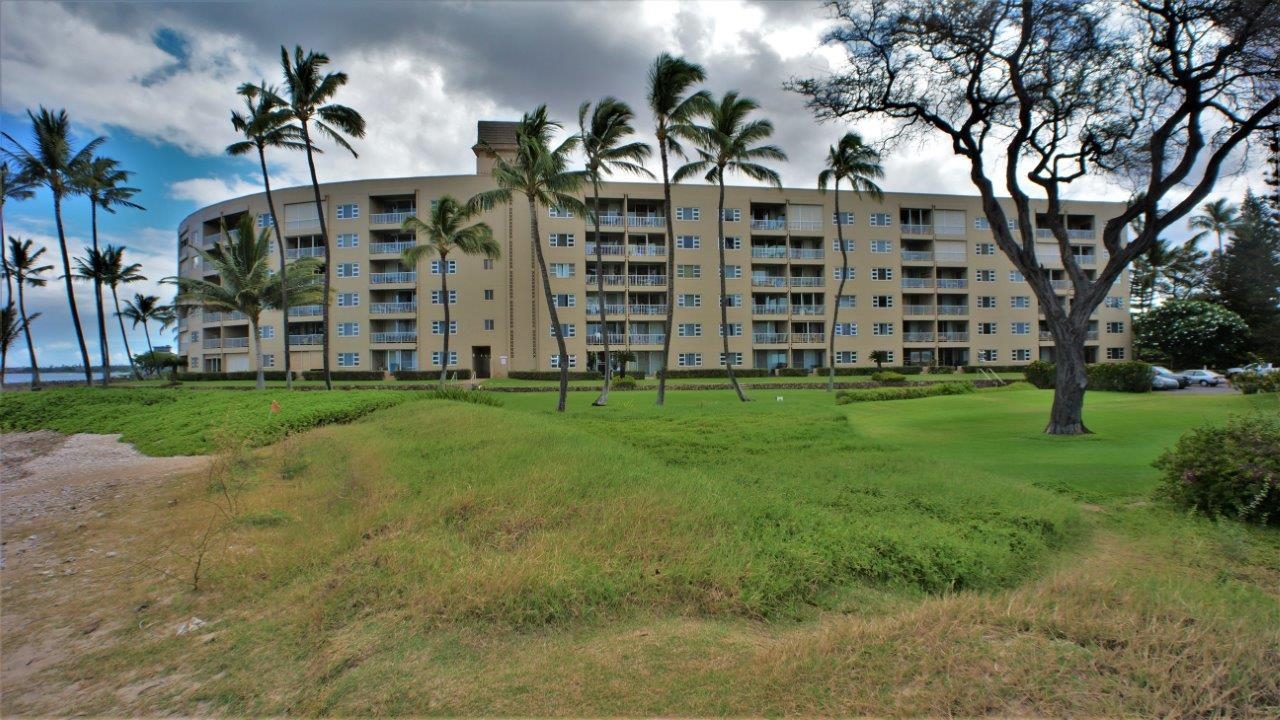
point(845, 397)
point(1230, 471)
point(203, 376)
point(996, 368)
point(1134, 377)
point(888, 376)
point(1251, 383)
point(1040, 374)
point(715, 372)
point(573, 375)
point(421, 375)
point(901, 369)
point(626, 383)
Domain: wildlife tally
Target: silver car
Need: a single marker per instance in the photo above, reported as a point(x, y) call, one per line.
point(1163, 381)
point(1204, 378)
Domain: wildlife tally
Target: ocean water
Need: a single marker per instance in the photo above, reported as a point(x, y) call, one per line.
point(22, 378)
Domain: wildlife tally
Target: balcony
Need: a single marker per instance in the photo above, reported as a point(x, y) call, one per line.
point(917, 282)
point(211, 240)
point(598, 338)
point(390, 248)
point(646, 221)
point(610, 308)
point(646, 339)
point(778, 252)
point(768, 223)
point(647, 251)
point(771, 309)
point(1060, 284)
point(1046, 336)
point(770, 338)
point(911, 229)
point(209, 316)
point(605, 249)
point(306, 310)
point(917, 337)
point(805, 224)
point(952, 283)
point(295, 226)
point(393, 278)
point(235, 342)
point(808, 337)
point(647, 310)
point(606, 220)
point(806, 281)
point(1080, 234)
point(1090, 334)
point(768, 281)
point(234, 316)
point(392, 218)
point(953, 309)
point(303, 252)
point(950, 256)
point(1087, 259)
point(953, 337)
point(391, 308)
point(808, 309)
point(212, 343)
point(807, 254)
point(308, 339)
point(608, 280)
point(916, 256)
point(395, 338)
point(917, 310)
point(647, 280)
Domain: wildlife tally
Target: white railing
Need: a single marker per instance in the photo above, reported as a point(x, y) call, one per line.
point(771, 309)
point(608, 280)
point(393, 277)
point(805, 224)
point(808, 337)
point(605, 249)
point(394, 337)
point(391, 218)
point(646, 339)
point(1046, 335)
point(387, 308)
point(303, 252)
point(917, 282)
point(807, 253)
point(235, 315)
point(807, 281)
point(649, 280)
point(654, 221)
point(305, 310)
point(917, 337)
point(953, 337)
point(1060, 284)
point(1087, 259)
point(303, 223)
point(953, 309)
point(769, 252)
point(606, 220)
point(212, 343)
point(611, 308)
point(808, 309)
point(1090, 334)
point(308, 339)
point(768, 281)
point(952, 283)
point(1080, 234)
point(598, 338)
point(647, 250)
point(917, 310)
point(397, 247)
point(914, 229)
point(768, 338)
point(211, 316)
point(768, 223)
point(916, 255)
point(647, 310)
point(242, 342)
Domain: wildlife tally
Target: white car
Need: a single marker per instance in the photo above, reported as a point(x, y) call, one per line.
point(1204, 378)
point(1162, 381)
point(1260, 368)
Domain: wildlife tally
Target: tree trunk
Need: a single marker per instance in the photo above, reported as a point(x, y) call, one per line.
point(4, 257)
point(284, 287)
point(604, 322)
point(835, 311)
point(26, 330)
point(150, 348)
point(97, 298)
point(328, 260)
point(671, 270)
point(127, 351)
point(444, 298)
point(724, 297)
point(71, 293)
point(1070, 379)
point(261, 379)
point(551, 306)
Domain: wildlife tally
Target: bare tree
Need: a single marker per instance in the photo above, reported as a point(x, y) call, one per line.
point(1037, 94)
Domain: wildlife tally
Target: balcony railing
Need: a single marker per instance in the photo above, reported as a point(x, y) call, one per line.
point(301, 224)
point(1060, 284)
point(950, 256)
point(808, 309)
point(394, 337)
point(235, 342)
point(598, 338)
point(952, 283)
point(953, 309)
point(647, 280)
point(768, 281)
point(646, 339)
point(1090, 334)
point(391, 218)
point(308, 339)
point(808, 337)
point(916, 256)
point(913, 229)
point(306, 310)
point(917, 310)
point(610, 308)
point(389, 308)
point(1046, 335)
point(303, 252)
point(210, 316)
point(647, 309)
point(1080, 234)
point(768, 223)
point(805, 224)
point(613, 220)
point(1087, 259)
point(916, 337)
point(391, 278)
point(807, 254)
point(917, 282)
point(807, 281)
point(387, 248)
point(771, 309)
point(653, 221)
point(212, 343)
point(953, 337)
point(770, 252)
point(647, 250)
point(608, 280)
point(770, 338)
point(234, 316)
point(605, 249)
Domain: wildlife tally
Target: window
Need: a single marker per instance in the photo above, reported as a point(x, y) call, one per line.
point(889, 356)
point(1113, 301)
point(1015, 276)
point(986, 301)
point(987, 328)
point(688, 242)
point(848, 301)
point(882, 301)
point(488, 263)
point(984, 249)
point(881, 246)
point(266, 332)
point(559, 212)
point(1115, 353)
point(882, 273)
point(842, 218)
point(846, 329)
point(268, 361)
point(435, 357)
point(1022, 355)
point(348, 240)
point(735, 329)
point(988, 355)
point(689, 360)
point(732, 215)
point(880, 220)
point(435, 297)
point(689, 300)
point(848, 245)
point(1020, 328)
point(1020, 302)
point(565, 300)
point(350, 299)
point(732, 272)
point(882, 328)
point(984, 275)
point(980, 223)
point(348, 329)
point(735, 357)
point(688, 213)
point(562, 270)
point(195, 361)
point(733, 243)
point(348, 359)
point(435, 267)
point(346, 270)
point(689, 330)
point(488, 294)
point(688, 271)
point(555, 361)
point(350, 211)
point(264, 220)
point(846, 357)
point(488, 324)
point(437, 327)
point(195, 336)
point(849, 273)
point(560, 240)
point(1115, 327)
point(566, 330)
point(733, 300)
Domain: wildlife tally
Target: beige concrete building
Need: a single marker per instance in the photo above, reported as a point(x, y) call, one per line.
point(926, 283)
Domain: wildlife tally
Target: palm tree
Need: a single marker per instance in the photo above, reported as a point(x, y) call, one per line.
point(103, 181)
point(602, 137)
point(266, 123)
point(309, 93)
point(1218, 217)
point(12, 187)
point(442, 233)
point(23, 266)
point(245, 281)
point(93, 268)
point(120, 274)
point(853, 161)
point(673, 112)
point(145, 308)
point(10, 326)
point(539, 173)
point(53, 165)
point(728, 142)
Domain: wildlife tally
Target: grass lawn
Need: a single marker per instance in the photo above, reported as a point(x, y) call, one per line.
point(918, 557)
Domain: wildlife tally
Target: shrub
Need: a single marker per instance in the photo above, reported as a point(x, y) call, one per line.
point(1134, 377)
point(624, 383)
point(845, 397)
point(888, 376)
point(339, 375)
point(429, 375)
point(783, 372)
point(716, 372)
point(1040, 374)
point(477, 397)
point(1233, 471)
point(903, 369)
point(1251, 383)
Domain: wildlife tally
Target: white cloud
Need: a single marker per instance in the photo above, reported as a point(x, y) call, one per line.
point(211, 190)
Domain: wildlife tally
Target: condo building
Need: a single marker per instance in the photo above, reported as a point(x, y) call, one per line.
point(926, 283)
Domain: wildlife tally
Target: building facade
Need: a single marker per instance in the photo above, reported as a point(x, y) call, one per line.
point(926, 282)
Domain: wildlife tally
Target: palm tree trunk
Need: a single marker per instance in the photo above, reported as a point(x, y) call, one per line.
point(671, 271)
point(328, 258)
point(284, 287)
point(4, 259)
point(127, 351)
point(604, 321)
point(835, 312)
point(551, 306)
point(97, 299)
point(71, 293)
point(724, 298)
point(444, 298)
point(150, 348)
point(26, 330)
point(261, 380)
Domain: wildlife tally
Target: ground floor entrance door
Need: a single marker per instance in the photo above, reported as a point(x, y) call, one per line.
point(480, 357)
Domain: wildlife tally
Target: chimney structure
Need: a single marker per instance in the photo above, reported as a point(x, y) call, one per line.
point(500, 135)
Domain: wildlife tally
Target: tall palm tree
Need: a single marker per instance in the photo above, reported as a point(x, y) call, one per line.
point(10, 327)
point(444, 231)
point(118, 273)
point(102, 180)
point(52, 164)
point(728, 143)
point(308, 92)
point(859, 164)
point(144, 309)
point(540, 174)
point(245, 281)
point(603, 134)
point(673, 113)
point(92, 268)
point(265, 123)
point(13, 186)
point(23, 265)
point(1218, 217)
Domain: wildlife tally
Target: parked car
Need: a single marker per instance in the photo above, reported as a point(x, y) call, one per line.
point(1182, 382)
point(1260, 368)
point(1204, 378)
point(1163, 380)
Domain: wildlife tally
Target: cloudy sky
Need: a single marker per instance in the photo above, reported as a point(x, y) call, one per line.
point(159, 81)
